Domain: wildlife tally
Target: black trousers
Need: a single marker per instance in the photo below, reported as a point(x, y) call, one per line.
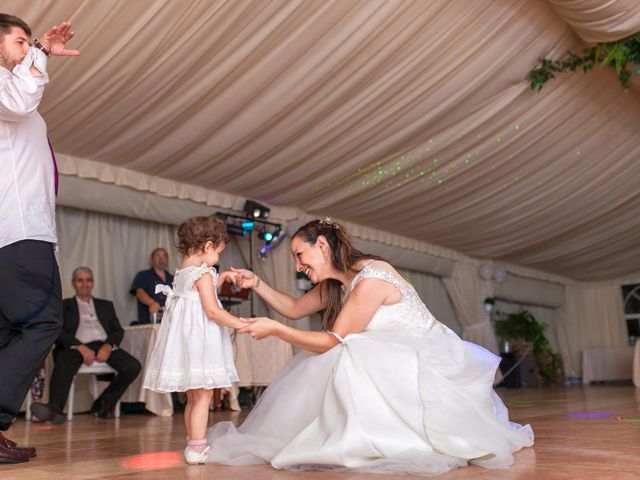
point(30, 319)
point(66, 363)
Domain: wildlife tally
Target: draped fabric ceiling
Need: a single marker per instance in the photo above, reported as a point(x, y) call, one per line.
point(411, 117)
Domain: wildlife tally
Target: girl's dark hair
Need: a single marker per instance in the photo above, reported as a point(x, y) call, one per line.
point(195, 232)
point(9, 21)
point(343, 257)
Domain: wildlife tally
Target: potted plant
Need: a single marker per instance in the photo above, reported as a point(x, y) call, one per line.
point(525, 333)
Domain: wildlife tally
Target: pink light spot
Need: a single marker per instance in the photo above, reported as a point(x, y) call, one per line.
point(152, 461)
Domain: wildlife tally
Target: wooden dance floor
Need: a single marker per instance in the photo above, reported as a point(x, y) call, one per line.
point(581, 433)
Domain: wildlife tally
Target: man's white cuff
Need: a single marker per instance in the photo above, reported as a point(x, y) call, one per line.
point(37, 58)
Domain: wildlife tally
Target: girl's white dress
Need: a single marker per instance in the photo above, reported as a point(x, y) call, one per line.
point(406, 395)
point(191, 350)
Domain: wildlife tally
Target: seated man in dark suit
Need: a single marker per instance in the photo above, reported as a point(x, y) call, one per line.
point(91, 332)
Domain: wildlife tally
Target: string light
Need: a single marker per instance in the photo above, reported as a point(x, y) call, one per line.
point(413, 165)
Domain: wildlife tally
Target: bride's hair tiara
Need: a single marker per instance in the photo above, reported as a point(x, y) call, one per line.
point(328, 222)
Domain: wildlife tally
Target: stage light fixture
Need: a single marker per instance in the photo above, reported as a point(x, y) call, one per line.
point(267, 236)
point(263, 252)
point(248, 226)
point(235, 230)
point(255, 210)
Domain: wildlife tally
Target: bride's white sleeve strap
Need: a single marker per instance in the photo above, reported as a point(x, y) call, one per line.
point(335, 335)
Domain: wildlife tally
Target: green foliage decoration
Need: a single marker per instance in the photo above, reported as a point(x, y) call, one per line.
point(522, 329)
point(622, 55)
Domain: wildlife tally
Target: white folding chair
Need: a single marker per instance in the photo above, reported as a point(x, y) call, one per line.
point(27, 412)
point(97, 368)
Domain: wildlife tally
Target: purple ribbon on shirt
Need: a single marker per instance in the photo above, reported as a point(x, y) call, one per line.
point(55, 165)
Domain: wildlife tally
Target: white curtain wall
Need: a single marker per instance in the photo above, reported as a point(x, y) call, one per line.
point(115, 248)
point(593, 316)
point(467, 292)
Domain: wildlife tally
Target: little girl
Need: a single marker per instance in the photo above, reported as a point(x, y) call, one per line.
point(193, 351)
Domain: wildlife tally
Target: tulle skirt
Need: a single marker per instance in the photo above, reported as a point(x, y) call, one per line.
point(382, 402)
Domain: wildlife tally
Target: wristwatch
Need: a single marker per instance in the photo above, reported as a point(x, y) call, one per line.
point(38, 45)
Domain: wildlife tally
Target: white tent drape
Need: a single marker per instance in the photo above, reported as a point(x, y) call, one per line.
point(593, 316)
point(600, 21)
point(529, 291)
point(408, 117)
point(467, 292)
point(115, 248)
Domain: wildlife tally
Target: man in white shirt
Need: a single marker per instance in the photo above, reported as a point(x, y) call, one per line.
point(30, 297)
point(91, 333)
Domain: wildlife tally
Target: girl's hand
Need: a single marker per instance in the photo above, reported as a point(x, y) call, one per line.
point(259, 327)
point(245, 278)
point(228, 277)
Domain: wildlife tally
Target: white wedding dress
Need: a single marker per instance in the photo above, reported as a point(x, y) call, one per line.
point(406, 395)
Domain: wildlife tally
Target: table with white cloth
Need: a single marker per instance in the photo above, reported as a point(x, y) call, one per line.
point(607, 364)
point(139, 341)
point(636, 365)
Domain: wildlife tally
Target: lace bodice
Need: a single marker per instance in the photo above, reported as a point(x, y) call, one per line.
point(409, 313)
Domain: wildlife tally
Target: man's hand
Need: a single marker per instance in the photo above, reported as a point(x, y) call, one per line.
point(88, 355)
point(56, 38)
point(104, 353)
point(154, 307)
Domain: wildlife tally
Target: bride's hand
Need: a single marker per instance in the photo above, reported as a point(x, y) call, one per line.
point(244, 278)
point(259, 327)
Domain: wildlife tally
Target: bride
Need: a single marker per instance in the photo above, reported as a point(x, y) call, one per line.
point(385, 388)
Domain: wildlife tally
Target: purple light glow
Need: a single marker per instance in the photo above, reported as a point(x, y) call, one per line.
point(590, 415)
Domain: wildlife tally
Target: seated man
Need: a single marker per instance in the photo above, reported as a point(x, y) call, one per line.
point(91, 333)
point(144, 286)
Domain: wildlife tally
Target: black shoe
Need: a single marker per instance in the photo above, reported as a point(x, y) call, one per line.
point(103, 409)
point(44, 412)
